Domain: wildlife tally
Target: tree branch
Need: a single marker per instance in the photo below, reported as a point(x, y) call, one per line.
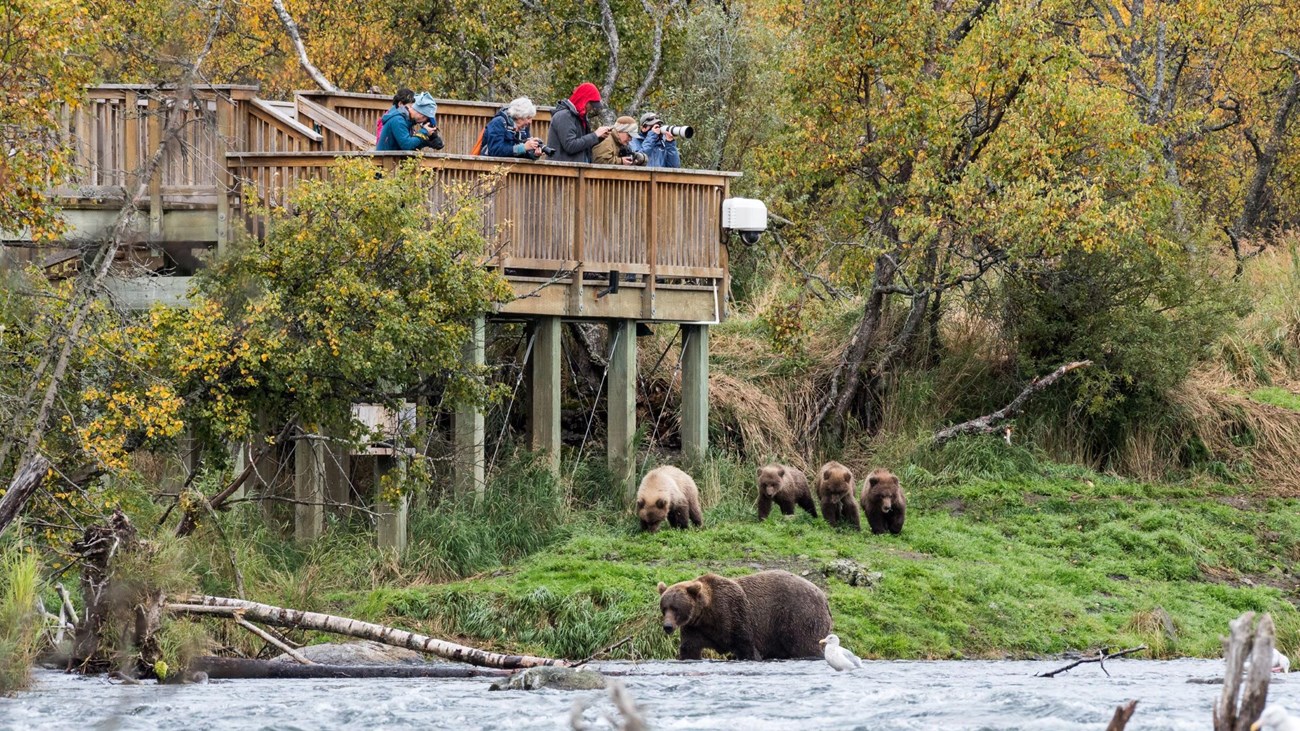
point(291, 28)
point(987, 424)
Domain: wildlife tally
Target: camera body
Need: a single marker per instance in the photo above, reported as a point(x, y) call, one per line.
point(546, 149)
point(746, 216)
point(638, 158)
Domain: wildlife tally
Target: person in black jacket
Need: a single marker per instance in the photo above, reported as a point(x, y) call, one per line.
point(571, 135)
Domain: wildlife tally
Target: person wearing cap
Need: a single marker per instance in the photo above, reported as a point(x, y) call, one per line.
point(570, 134)
point(507, 135)
point(656, 143)
point(614, 150)
point(412, 127)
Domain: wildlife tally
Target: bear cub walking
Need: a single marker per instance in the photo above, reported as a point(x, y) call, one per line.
point(771, 615)
point(835, 489)
point(785, 486)
point(667, 493)
point(883, 502)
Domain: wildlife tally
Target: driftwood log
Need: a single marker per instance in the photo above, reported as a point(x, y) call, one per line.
point(1100, 658)
point(988, 424)
point(1242, 700)
point(135, 609)
point(1122, 715)
point(281, 617)
point(222, 668)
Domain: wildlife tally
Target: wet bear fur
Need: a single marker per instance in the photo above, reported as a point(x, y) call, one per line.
point(667, 493)
point(835, 490)
point(770, 615)
point(883, 502)
point(787, 487)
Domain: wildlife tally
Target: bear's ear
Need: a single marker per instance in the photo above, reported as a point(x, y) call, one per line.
point(693, 588)
point(872, 479)
point(662, 587)
point(660, 503)
point(780, 472)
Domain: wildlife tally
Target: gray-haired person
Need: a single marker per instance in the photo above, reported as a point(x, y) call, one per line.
point(507, 135)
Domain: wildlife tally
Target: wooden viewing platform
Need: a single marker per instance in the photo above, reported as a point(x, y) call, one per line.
point(558, 230)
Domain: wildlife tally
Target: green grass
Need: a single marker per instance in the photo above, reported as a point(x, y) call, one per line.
point(1277, 397)
point(19, 623)
point(1002, 556)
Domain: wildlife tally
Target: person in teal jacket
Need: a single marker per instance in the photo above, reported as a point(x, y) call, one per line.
point(412, 127)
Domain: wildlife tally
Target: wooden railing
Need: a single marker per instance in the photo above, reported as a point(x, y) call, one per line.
point(556, 216)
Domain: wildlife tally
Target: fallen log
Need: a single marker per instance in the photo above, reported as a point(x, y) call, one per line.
point(293, 618)
point(21, 488)
point(1122, 715)
point(233, 668)
point(988, 424)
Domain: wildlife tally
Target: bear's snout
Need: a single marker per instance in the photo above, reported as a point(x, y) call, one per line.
point(668, 628)
point(887, 505)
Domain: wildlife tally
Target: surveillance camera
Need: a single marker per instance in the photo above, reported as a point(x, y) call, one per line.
point(746, 216)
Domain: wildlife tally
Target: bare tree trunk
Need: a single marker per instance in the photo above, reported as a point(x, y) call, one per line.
point(291, 28)
point(656, 51)
point(611, 38)
point(21, 488)
point(282, 617)
point(1266, 156)
point(97, 548)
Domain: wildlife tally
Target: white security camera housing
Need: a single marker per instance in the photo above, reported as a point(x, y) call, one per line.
point(746, 216)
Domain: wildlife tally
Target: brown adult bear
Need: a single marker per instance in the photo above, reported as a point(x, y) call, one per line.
point(668, 493)
point(771, 615)
point(835, 489)
point(786, 486)
point(883, 502)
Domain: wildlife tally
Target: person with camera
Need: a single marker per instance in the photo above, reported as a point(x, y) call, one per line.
point(411, 127)
point(507, 135)
point(657, 142)
point(614, 149)
point(571, 134)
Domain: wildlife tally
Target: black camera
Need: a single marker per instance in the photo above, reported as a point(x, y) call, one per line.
point(546, 150)
point(638, 158)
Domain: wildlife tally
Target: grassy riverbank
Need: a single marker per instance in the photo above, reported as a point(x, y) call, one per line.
point(1003, 556)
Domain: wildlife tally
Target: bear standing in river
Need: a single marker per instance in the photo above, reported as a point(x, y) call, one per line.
point(883, 502)
point(667, 493)
point(839, 500)
point(771, 615)
point(785, 486)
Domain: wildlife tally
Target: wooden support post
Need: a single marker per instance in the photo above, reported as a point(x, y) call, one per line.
point(392, 516)
point(308, 487)
point(155, 135)
point(238, 463)
point(225, 124)
point(695, 391)
point(467, 422)
point(621, 428)
point(545, 414)
point(338, 465)
point(576, 301)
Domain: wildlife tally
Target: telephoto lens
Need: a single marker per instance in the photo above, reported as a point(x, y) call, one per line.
point(681, 130)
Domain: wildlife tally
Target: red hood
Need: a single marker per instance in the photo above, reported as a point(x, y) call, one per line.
point(586, 92)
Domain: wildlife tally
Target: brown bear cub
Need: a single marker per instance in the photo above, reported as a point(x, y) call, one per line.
point(835, 489)
point(771, 615)
point(883, 502)
point(785, 486)
point(667, 493)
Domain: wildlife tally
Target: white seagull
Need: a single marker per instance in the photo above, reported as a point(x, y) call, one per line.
point(1275, 718)
point(1280, 662)
point(838, 657)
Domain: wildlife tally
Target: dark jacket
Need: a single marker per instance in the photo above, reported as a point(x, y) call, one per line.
point(570, 135)
point(501, 139)
point(398, 133)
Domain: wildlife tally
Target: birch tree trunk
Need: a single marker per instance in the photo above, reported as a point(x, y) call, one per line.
point(282, 617)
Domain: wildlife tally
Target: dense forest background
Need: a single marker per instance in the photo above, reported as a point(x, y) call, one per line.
point(965, 195)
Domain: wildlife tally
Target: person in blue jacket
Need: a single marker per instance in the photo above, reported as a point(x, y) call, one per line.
point(412, 127)
point(657, 143)
point(507, 135)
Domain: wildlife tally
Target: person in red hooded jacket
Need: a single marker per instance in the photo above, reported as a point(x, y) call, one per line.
point(570, 134)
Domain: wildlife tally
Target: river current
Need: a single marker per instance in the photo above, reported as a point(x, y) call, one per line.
point(732, 696)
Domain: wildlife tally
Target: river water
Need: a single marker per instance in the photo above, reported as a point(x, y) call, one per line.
point(733, 696)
